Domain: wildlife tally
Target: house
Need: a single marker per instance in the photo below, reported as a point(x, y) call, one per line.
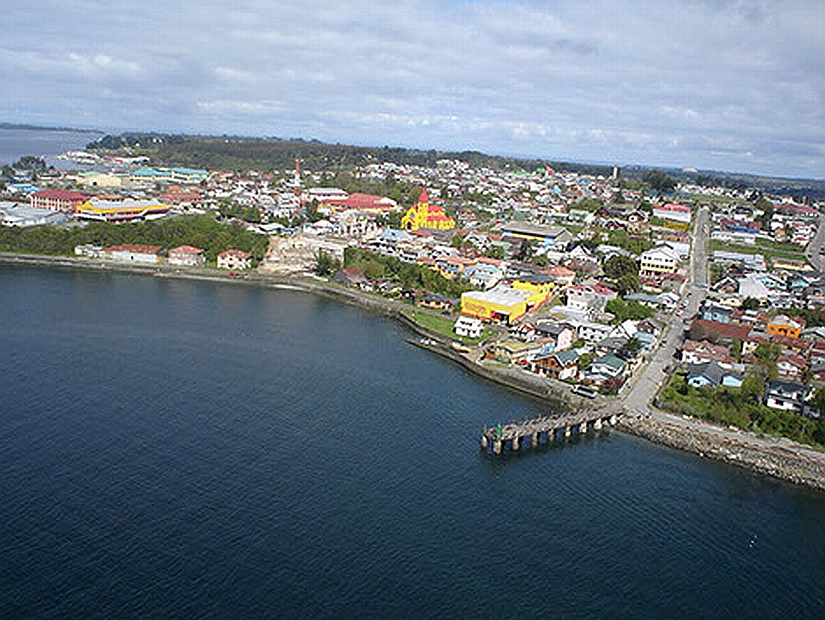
point(717, 313)
point(560, 336)
point(468, 327)
point(351, 278)
point(559, 365)
point(589, 297)
point(603, 368)
point(436, 301)
point(695, 353)
point(593, 332)
point(186, 256)
point(564, 276)
point(486, 273)
point(234, 259)
point(134, 253)
point(783, 325)
point(787, 396)
point(791, 367)
point(658, 260)
point(512, 351)
point(712, 374)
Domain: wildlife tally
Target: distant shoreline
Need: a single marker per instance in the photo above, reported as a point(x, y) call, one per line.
point(763, 456)
point(24, 127)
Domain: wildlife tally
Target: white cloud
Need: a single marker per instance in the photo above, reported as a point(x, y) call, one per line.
point(633, 82)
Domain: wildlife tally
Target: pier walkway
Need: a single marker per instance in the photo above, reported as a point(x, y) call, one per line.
point(512, 435)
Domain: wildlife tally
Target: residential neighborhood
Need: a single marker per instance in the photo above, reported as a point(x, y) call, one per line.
point(571, 278)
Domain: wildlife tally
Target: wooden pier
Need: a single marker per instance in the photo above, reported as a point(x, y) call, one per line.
point(513, 435)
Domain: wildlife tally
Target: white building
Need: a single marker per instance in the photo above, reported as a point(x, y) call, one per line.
point(584, 297)
point(134, 253)
point(468, 327)
point(660, 259)
point(673, 212)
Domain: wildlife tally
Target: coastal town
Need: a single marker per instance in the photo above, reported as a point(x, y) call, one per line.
point(707, 301)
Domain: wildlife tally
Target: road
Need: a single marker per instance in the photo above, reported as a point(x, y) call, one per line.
point(640, 393)
point(812, 252)
point(637, 399)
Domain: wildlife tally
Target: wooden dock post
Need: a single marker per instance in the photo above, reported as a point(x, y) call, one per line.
point(534, 441)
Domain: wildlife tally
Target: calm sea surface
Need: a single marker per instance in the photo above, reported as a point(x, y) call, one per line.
point(14, 143)
point(175, 449)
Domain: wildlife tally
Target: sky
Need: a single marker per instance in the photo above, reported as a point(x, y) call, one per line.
point(733, 85)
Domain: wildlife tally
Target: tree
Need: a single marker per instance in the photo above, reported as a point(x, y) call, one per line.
point(750, 303)
point(496, 252)
point(526, 249)
point(623, 271)
point(326, 264)
point(766, 206)
point(659, 181)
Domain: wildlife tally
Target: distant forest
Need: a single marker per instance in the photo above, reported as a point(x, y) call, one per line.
point(234, 153)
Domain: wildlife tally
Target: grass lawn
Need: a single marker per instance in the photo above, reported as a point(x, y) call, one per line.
point(700, 198)
point(767, 252)
point(442, 325)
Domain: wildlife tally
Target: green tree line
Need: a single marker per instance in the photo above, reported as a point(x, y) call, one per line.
point(197, 230)
point(409, 276)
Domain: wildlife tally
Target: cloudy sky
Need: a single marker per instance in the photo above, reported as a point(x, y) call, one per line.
point(733, 85)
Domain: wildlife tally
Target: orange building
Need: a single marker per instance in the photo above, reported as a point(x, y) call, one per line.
point(783, 325)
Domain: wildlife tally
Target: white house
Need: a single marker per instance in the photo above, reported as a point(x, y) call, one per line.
point(468, 327)
point(585, 297)
point(658, 260)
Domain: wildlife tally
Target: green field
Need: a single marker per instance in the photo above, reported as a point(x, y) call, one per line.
point(767, 252)
point(442, 325)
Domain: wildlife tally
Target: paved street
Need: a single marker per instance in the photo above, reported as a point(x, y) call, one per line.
point(815, 246)
point(640, 394)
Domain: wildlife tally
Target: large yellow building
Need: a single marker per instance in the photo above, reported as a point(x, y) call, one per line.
point(499, 304)
point(425, 215)
point(539, 288)
point(121, 210)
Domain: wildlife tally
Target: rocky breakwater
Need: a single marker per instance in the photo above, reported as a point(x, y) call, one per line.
point(762, 456)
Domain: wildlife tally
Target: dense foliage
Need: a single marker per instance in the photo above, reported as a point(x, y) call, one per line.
point(658, 180)
point(628, 310)
point(409, 276)
point(624, 273)
point(236, 153)
point(198, 230)
point(740, 407)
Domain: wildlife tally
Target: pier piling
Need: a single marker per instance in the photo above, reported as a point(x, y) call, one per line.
point(512, 434)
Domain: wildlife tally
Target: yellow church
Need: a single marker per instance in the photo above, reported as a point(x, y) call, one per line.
point(425, 215)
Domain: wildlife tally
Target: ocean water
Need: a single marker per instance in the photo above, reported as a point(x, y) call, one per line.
point(14, 143)
point(176, 449)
